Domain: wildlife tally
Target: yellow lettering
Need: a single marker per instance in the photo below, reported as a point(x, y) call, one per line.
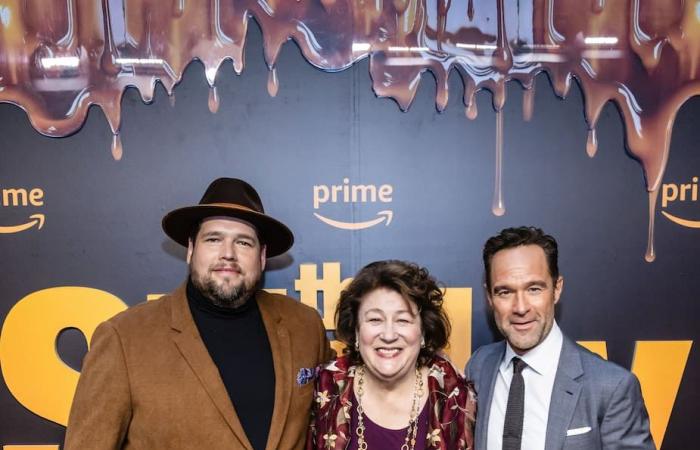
point(385, 191)
point(30, 447)
point(36, 197)
point(334, 192)
point(338, 347)
point(659, 365)
point(364, 191)
point(14, 197)
point(669, 194)
point(321, 195)
point(458, 305)
point(330, 286)
point(600, 348)
point(684, 188)
point(33, 371)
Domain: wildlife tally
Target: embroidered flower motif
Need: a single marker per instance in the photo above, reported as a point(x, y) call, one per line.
point(438, 373)
point(305, 375)
point(434, 437)
point(322, 398)
point(329, 439)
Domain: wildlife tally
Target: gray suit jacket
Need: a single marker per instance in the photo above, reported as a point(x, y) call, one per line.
point(588, 392)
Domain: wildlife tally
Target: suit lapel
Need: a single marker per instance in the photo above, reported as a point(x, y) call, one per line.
point(188, 341)
point(488, 374)
point(565, 395)
point(280, 345)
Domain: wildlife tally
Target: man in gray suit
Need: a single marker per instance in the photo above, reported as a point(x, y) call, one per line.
point(537, 389)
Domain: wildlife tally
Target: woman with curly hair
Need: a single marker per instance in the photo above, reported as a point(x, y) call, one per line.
point(392, 389)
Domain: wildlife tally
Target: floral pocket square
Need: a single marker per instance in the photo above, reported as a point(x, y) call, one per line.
point(305, 375)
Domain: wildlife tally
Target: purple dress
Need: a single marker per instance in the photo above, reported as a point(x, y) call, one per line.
point(380, 438)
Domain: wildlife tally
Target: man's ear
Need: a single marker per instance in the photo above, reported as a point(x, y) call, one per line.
point(558, 288)
point(263, 257)
point(488, 296)
point(190, 250)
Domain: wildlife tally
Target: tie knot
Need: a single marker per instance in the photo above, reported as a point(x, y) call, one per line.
point(518, 365)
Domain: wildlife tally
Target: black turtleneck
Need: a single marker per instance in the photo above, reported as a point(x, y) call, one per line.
point(238, 345)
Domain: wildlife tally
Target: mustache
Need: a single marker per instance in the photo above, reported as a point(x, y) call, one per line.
point(226, 266)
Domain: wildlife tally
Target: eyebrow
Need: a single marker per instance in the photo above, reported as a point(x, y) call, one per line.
point(236, 236)
point(540, 283)
point(400, 311)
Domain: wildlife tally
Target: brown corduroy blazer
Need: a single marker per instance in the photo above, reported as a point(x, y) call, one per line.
point(148, 381)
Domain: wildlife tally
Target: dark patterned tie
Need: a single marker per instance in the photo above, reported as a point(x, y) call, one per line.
point(513, 424)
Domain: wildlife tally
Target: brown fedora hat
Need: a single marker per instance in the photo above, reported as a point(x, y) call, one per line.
point(233, 198)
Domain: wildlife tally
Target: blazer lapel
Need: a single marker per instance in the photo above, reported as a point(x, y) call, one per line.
point(280, 345)
point(189, 342)
point(565, 395)
point(488, 374)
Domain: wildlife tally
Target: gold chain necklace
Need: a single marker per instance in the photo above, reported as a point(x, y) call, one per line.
point(412, 422)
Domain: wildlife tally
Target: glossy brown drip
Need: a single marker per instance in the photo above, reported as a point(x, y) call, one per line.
point(592, 143)
point(598, 6)
point(498, 207)
point(650, 254)
point(528, 103)
point(213, 102)
point(471, 111)
point(79, 53)
point(272, 82)
point(117, 149)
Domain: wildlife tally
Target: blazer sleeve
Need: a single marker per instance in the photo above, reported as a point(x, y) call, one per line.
point(326, 353)
point(625, 424)
point(101, 410)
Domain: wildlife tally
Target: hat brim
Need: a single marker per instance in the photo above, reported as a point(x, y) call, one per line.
point(179, 223)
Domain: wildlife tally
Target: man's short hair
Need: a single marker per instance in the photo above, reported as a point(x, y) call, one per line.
point(516, 237)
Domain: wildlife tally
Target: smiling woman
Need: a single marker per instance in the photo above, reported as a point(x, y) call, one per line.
point(392, 389)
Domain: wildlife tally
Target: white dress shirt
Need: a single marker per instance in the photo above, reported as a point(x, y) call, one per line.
point(542, 362)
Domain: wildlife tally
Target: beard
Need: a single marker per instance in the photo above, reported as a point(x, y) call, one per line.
point(221, 295)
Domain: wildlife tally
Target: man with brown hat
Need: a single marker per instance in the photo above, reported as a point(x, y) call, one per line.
point(218, 363)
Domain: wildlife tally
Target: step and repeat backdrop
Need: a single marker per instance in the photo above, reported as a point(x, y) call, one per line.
point(94, 151)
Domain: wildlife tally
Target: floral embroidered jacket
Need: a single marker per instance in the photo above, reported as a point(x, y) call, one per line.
point(451, 399)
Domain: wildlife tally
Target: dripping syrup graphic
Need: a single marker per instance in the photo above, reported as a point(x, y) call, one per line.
point(273, 84)
point(214, 101)
point(497, 206)
point(528, 103)
point(117, 149)
point(169, 43)
point(592, 143)
point(598, 6)
point(471, 111)
point(650, 255)
point(179, 7)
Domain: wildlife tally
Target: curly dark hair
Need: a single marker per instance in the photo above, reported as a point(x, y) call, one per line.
point(516, 237)
point(413, 283)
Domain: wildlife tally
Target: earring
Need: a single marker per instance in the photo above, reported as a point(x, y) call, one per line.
point(422, 342)
point(357, 346)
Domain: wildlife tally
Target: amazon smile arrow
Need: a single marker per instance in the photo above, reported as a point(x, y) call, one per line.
point(381, 216)
point(37, 219)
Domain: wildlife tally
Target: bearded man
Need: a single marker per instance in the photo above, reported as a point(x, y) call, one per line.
point(218, 363)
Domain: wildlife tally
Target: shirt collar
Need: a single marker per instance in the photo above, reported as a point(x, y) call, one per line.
point(543, 358)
